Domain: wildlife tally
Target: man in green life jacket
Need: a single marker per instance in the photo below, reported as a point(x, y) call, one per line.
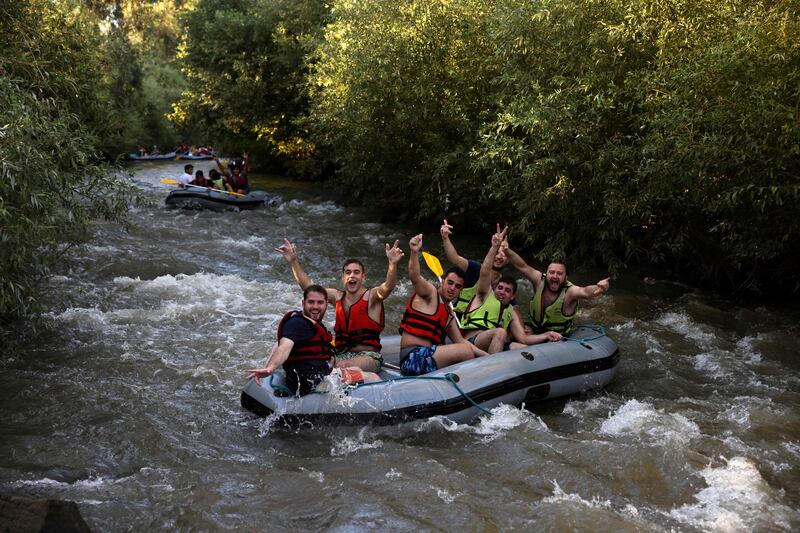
point(490, 320)
point(471, 267)
point(555, 300)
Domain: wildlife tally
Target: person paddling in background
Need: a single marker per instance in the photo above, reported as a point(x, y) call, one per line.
point(236, 173)
point(186, 178)
point(556, 300)
point(490, 321)
point(471, 268)
point(428, 319)
point(304, 348)
point(359, 310)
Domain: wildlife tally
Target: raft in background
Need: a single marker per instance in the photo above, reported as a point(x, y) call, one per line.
point(159, 157)
point(459, 392)
point(195, 197)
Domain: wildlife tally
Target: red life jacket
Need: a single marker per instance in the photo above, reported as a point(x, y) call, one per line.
point(238, 182)
point(317, 347)
point(355, 326)
point(430, 327)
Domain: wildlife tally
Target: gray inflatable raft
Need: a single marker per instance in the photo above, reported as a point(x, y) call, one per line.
point(459, 392)
point(193, 197)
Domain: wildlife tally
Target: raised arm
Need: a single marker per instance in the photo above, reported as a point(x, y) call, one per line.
point(485, 279)
point(590, 291)
point(279, 354)
point(246, 157)
point(394, 255)
point(225, 171)
point(422, 287)
point(533, 275)
point(289, 252)
point(450, 250)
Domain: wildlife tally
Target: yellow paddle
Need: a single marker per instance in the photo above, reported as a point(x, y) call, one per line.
point(436, 267)
point(175, 182)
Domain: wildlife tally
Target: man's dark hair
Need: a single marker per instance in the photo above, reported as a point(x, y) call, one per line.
point(457, 271)
point(187, 168)
point(314, 288)
point(356, 261)
point(508, 280)
point(559, 262)
point(213, 174)
point(199, 174)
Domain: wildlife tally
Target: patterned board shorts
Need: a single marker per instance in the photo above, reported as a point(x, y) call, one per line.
point(344, 356)
point(418, 360)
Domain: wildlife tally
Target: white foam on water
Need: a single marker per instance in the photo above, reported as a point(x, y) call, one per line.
point(319, 477)
point(253, 242)
point(641, 418)
point(446, 496)
point(349, 445)
point(713, 364)
point(504, 418)
point(746, 351)
point(736, 498)
point(560, 496)
point(683, 324)
point(578, 408)
point(311, 208)
point(393, 474)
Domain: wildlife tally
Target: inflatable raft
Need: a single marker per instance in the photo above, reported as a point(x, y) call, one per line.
point(193, 197)
point(159, 157)
point(459, 392)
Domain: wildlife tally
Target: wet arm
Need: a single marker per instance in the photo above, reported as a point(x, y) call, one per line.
point(450, 250)
point(533, 275)
point(518, 333)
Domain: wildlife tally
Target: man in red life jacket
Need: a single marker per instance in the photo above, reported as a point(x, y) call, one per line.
point(428, 319)
point(304, 348)
point(236, 173)
point(359, 310)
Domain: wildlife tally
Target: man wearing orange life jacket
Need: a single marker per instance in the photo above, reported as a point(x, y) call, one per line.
point(304, 348)
point(428, 319)
point(359, 310)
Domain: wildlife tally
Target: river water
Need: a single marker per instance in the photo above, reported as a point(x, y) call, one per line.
point(127, 400)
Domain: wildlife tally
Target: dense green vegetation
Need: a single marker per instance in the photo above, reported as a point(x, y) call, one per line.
point(607, 131)
point(614, 131)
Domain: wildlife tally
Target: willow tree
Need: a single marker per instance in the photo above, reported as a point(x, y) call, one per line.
point(399, 90)
point(245, 64)
point(53, 115)
point(652, 130)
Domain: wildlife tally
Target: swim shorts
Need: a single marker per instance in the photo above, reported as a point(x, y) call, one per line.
point(375, 355)
point(417, 360)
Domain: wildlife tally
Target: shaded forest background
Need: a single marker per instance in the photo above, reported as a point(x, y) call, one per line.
point(610, 132)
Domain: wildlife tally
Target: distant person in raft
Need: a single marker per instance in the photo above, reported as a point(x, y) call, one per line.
point(555, 300)
point(201, 181)
point(428, 319)
point(359, 310)
point(236, 173)
point(186, 178)
point(304, 348)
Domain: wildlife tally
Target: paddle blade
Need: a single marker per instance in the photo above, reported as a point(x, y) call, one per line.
point(167, 180)
point(433, 263)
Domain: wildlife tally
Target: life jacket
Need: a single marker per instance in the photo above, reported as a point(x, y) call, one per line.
point(461, 303)
point(355, 326)
point(317, 347)
point(430, 327)
point(219, 183)
point(238, 182)
point(490, 314)
point(552, 317)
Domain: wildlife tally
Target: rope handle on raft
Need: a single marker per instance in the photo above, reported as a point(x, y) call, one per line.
point(600, 329)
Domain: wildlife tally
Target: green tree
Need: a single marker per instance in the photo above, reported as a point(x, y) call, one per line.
point(53, 180)
point(245, 64)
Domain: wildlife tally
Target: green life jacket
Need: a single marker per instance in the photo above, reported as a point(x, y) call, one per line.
point(219, 184)
point(461, 303)
point(550, 318)
point(491, 314)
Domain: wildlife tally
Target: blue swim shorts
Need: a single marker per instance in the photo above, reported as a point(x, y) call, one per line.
point(417, 360)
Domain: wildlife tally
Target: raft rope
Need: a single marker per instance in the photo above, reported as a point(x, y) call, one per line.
point(598, 328)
